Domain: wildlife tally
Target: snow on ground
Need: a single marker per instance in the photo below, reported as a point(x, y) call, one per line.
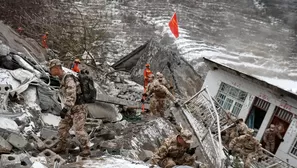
point(112, 162)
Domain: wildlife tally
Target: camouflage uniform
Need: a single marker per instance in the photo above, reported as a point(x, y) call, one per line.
point(76, 115)
point(160, 93)
point(163, 81)
point(153, 109)
point(269, 138)
point(247, 147)
point(240, 129)
point(171, 153)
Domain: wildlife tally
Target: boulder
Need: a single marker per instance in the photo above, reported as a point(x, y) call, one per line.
point(177, 71)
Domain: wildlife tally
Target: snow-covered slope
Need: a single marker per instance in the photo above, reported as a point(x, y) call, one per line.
point(240, 34)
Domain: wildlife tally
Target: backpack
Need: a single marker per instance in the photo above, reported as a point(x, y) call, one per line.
point(87, 87)
point(88, 90)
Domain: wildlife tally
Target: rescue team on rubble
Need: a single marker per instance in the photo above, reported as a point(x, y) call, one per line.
point(176, 149)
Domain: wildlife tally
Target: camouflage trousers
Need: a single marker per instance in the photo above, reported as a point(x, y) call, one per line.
point(186, 159)
point(153, 109)
point(157, 106)
point(77, 119)
point(270, 145)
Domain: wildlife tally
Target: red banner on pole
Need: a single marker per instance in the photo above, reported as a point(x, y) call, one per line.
point(173, 24)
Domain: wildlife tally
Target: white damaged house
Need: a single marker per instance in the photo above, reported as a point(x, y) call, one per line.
point(259, 103)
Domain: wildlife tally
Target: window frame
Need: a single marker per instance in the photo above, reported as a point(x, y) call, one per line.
point(225, 90)
point(293, 146)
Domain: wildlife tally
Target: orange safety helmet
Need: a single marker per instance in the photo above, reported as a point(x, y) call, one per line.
point(147, 65)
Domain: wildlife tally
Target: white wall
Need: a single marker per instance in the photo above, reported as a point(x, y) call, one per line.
point(284, 148)
point(214, 79)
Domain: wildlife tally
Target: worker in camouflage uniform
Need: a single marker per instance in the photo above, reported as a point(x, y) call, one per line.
point(239, 129)
point(160, 93)
point(73, 112)
point(247, 147)
point(175, 151)
point(231, 132)
point(153, 109)
point(269, 138)
point(160, 77)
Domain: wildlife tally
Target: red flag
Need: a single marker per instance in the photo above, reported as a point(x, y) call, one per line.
point(173, 24)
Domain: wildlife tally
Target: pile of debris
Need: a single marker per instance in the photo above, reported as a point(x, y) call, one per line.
point(29, 116)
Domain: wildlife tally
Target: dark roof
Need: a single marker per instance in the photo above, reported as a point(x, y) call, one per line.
point(260, 82)
point(129, 61)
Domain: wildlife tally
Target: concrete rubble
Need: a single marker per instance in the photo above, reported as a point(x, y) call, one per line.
point(29, 117)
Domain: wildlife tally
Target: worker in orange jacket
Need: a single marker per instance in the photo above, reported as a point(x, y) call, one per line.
point(146, 74)
point(44, 40)
point(75, 67)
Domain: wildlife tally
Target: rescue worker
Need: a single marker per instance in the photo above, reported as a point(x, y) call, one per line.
point(75, 65)
point(151, 78)
point(175, 150)
point(239, 129)
point(73, 112)
point(159, 93)
point(44, 40)
point(20, 30)
point(269, 138)
point(146, 73)
point(160, 77)
point(247, 147)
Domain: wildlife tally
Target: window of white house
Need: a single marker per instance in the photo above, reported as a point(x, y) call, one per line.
point(294, 148)
point(231, 98)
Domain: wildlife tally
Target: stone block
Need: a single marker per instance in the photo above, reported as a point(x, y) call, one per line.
point(17, 140)
point(51, 142)
point(111, 147)
point(46, 133)
point(10, 161)
point(106, 134)
point(5, 147)
point(51, 157)
point(25, 162)
point(40, 144)
point(145, 155)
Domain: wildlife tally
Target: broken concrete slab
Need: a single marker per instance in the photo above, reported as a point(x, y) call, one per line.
point(17, 140)
point(40, 144)
point(51, 157)
point(8, 124)
point(104, 111)
point(47, 132)
point(10, 161)
point(25, 161)
point(51, 142)
point(5, 147)
point(50, 119)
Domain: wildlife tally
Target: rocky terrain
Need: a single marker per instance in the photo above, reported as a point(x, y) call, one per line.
point(116, 124)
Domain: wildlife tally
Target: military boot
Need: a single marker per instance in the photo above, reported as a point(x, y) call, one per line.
point(85, 152)
point(61, 147)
